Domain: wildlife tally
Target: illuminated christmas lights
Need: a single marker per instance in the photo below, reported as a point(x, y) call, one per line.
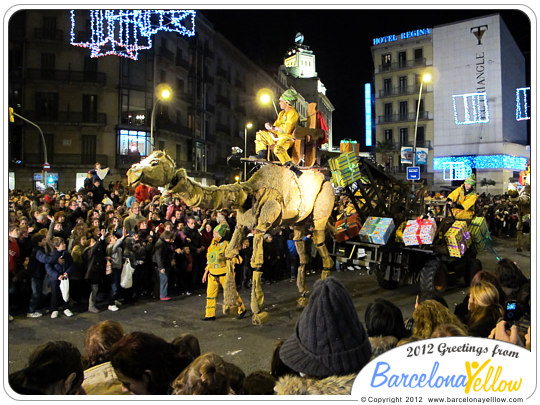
point(125, 32)
point(473, 109)
point(456, 171)
point(522, 103)
point(482, 162)
point(368, 119)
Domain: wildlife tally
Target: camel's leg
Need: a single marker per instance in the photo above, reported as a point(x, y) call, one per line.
point(298, 236)
point(230, 294)
point(269, 214)
point(519, 234)
point(322, 210)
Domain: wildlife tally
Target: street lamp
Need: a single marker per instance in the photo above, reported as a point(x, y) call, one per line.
point(249, 125)
point(266, 96)
point(425, 78)
point(163, 92)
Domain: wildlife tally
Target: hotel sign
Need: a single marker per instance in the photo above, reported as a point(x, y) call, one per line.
point(403, 35)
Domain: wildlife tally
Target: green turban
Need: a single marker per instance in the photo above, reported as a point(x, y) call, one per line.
point(471, 180)
point(289, 96)
point(222, 230)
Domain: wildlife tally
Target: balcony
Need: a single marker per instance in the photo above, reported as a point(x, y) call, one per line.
point(395, 66)
point(223, 101)
point(58, 160)
point(402, 91)
point(69, 76)
point(48, 34)
point(68, 117)
point(408, 117)
point(182, 62)
point(223, 128)
point(166, 54)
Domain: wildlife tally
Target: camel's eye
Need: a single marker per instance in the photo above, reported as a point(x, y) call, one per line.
point(154, 163)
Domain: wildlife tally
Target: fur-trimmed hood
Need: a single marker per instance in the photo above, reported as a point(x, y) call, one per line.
point(333, 385)
point(381, 344)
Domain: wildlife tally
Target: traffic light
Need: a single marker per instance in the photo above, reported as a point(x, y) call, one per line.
point(11, 117)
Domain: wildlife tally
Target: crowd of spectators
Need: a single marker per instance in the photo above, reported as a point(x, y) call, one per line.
point(327, 349)
point(88, 235)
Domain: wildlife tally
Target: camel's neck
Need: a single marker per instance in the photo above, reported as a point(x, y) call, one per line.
point(212, 197)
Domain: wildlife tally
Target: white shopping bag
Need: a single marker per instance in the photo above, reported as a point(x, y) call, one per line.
point(126, 278)
point(64, 288)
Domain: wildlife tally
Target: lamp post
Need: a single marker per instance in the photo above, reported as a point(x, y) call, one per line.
point(266, 96)
point(249, 125)
point(425, 78)
point(163, 92)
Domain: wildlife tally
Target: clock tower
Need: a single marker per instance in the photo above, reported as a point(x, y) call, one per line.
point(300, 60)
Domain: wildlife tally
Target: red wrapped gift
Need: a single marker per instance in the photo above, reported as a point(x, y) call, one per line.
point(347, 227)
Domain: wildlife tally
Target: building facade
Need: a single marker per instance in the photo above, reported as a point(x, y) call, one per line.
point(467, 117)
point(100, 109)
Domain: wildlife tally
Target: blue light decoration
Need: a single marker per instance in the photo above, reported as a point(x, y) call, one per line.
point(456, 171)
point(367, 107)
point(473, 109)
point(125, 32)
point(522, 103)
point(469, 162)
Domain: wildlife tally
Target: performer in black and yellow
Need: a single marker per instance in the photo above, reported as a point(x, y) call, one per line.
point(216, 273)
point(463, 199)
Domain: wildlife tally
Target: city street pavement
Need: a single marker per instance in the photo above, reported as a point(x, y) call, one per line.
point(237, 341)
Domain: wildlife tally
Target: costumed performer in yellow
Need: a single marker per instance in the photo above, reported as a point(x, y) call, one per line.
point(216, 274)
point(280, 133)
point(464, 198)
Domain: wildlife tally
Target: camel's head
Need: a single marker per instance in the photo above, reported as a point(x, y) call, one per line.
point(156, 170)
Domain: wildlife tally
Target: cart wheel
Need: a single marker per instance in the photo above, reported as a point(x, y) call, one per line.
point(434, 276)
point(385, 274)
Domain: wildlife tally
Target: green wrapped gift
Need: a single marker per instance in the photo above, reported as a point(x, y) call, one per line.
point(479, 232)
point(344, 169)
point(376, 230)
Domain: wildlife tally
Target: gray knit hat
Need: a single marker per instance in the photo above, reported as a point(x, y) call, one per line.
point(329, 338)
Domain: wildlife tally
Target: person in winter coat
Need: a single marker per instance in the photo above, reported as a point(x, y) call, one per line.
point(59, 269)
point(95, 258)
point(114, 268)
point(163, 260)
point(329, 346)
point(36, 270)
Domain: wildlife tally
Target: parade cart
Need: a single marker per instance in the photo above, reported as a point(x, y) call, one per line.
point(397, 234)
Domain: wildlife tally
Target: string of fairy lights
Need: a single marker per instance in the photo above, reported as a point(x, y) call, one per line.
point(126, 32)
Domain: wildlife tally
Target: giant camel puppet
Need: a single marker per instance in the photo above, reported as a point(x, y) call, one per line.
point(273, 196)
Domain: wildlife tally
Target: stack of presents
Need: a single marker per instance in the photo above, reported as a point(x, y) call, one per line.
point(415, 232)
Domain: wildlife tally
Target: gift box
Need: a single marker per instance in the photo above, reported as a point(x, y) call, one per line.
point(479, 232)
point(458, 239)
point(348, 145)
point(347, 227)
point(344, 169)
point(376, 230)
point(419, 232)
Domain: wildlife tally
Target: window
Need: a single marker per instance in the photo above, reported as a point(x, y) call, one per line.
point(418, 55)
point(178, 155)
point(89, 103)
point(88, 149)
point(420, 137)
point(402, 59)
point(388, 112)
point(386, 61)
point(421, 109)
point(47, 106)
point(132, 145)
point(90, 68)
point(49, 28)
point(388, 135)
point(403, 110)
point(404, 136)
point(402, 84)
point(47, 65)
point(161, 145)
point(387, 86)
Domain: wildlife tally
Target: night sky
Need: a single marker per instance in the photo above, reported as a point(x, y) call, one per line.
point(341, 40)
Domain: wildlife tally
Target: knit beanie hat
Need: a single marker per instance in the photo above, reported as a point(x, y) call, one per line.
point(222, 230)
point(329, 338)
point(289, 96)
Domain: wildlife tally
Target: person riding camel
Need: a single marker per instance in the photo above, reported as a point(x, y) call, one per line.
point(280, 133)
point(463, 199)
